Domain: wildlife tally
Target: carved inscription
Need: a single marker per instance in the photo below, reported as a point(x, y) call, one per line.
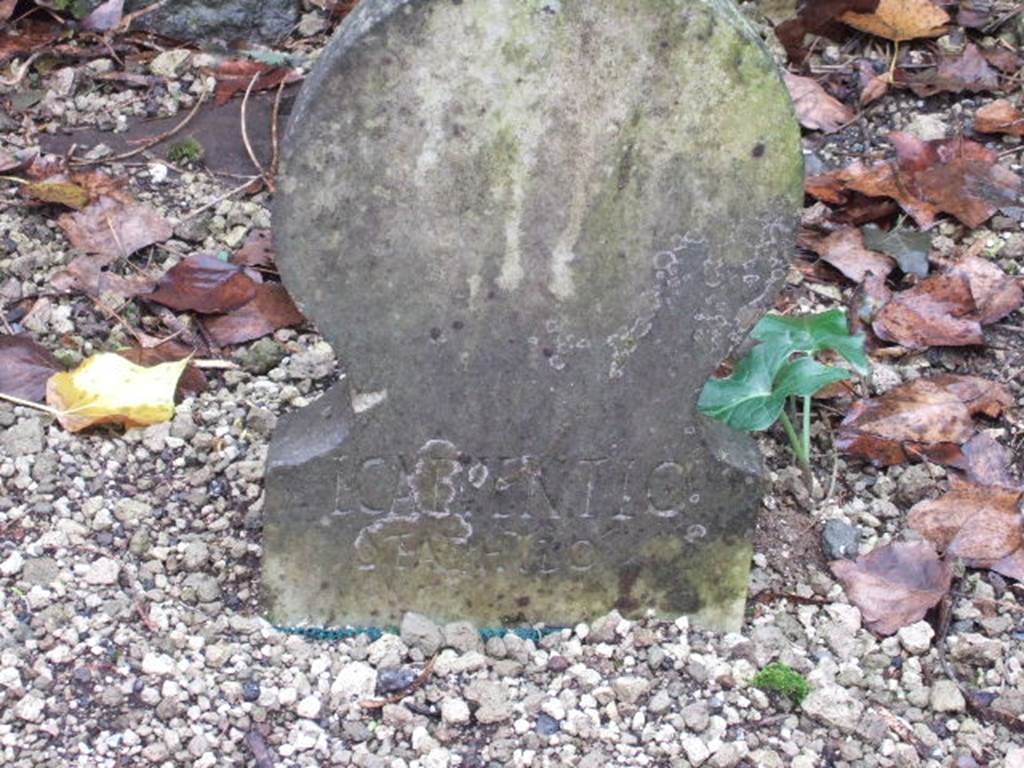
point(419, 510)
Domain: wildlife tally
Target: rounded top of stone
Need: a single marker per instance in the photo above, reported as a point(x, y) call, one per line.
point(492, 198)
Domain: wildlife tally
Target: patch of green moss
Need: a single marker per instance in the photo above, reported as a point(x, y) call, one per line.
point(188, 150)
point(784, 680)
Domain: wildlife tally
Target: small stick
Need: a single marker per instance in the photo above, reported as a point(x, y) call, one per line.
point(225, 365)
point(245, 133)
point(415, 685)
point(29, 404)
point(273, 130)
point(261, 754)
point(20, 71)
point(127, 19)
point(143, 612)
point(152, 142)
point(219, 199)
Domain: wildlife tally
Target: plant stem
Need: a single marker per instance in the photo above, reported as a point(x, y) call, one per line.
point(794, 439)
point(806, 435)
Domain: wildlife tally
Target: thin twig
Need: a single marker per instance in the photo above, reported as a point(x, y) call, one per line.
point(20, 71)
point(29, 404)
point(275, 157)
point(152, 142)
point(413, 686)
point(218, 199)
point(245, 133)
point(225, 365)
point(128, 18)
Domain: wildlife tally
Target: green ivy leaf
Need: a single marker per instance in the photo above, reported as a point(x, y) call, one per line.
point(753, 397)
point(814, 333)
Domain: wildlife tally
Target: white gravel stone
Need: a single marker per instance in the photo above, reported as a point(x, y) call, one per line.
point(454, 711)
point(946, 697)
point(834, 705)
point(629, 689)
point(696, 750)
point(105, 570)
point(916, 638)
point(355, 680)
point(30, 708)
point(157, 664)
point(308, 707)
point(12, 565)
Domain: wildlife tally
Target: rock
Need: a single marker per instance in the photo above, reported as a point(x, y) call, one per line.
point(308, 707)
point(696, 716)
point(168, 63)
point(314, 363)
point(205, 586)
point(103, 571)
point(418, 631)
point(41, 571)
point(604, 629)
point(355, 680)
point(492, 700)
point(462, 636)
point(195, 556)
point(394, 680)
point(946, 697)
point(12, 565)
point(627, 229)
point(914, 484)
point(927, 127)
point(260, 357)
point(30, 708)
point(696, 750)
point(916, 638)
point(454, 711)
point(206, 21)
point(23, 439)
point(629, 689)
point(840, 540)
point(833, 705)
point(158, 664)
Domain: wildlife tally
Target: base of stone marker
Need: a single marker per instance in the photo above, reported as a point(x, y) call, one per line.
point(353, 541)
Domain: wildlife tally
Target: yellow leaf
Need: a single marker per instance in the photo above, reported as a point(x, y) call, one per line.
point(106, 388)
point(900, 20)
point(63, 192)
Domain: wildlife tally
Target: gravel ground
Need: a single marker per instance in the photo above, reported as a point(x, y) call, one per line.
point(130, 630)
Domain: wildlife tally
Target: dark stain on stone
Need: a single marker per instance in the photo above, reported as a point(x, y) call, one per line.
point(758, 150)
point(523, 601)
point(458, 325)
point(627, 580)
point(435, 333)
point(548, 352)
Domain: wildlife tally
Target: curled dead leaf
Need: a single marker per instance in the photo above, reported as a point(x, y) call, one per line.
point(980, 524)
point(978, 394)
point(844, 249)
point(966, 71)
point(995, 293)
point(192, 381)
point(115, 227)
point(107, 388)
point(59, 192)
point(815, 107)
point(25, 367)
point(901, 20)
point(914, 420)
point(256, 251)
point(895, 585)
point(938, 311)
point(271, 309)
point(205, 284)
point(986, 461)
point(999, 117)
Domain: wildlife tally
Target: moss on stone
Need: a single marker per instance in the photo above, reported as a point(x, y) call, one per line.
point(783, 680)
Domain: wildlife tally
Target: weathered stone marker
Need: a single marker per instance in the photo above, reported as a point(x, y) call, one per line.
point(531, 229)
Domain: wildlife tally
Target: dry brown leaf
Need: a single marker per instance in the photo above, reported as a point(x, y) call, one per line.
point(88, 275)
point(895, 585)
point(844, 249)
point(978, 523)
point(900, 20)
point(271, 309)
point(986, 461)
point(980, 395)
point(25, 366)
point(105, 16)
point(114, 227)
point(937, 312)
point(205, 284)
point(999, 117)
point(256, 251)
point(966, 71)
point(234, 77)
point(956, 176)
point(815, 107)
point(914, 420)
point(817, 17)
point(995, 293)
